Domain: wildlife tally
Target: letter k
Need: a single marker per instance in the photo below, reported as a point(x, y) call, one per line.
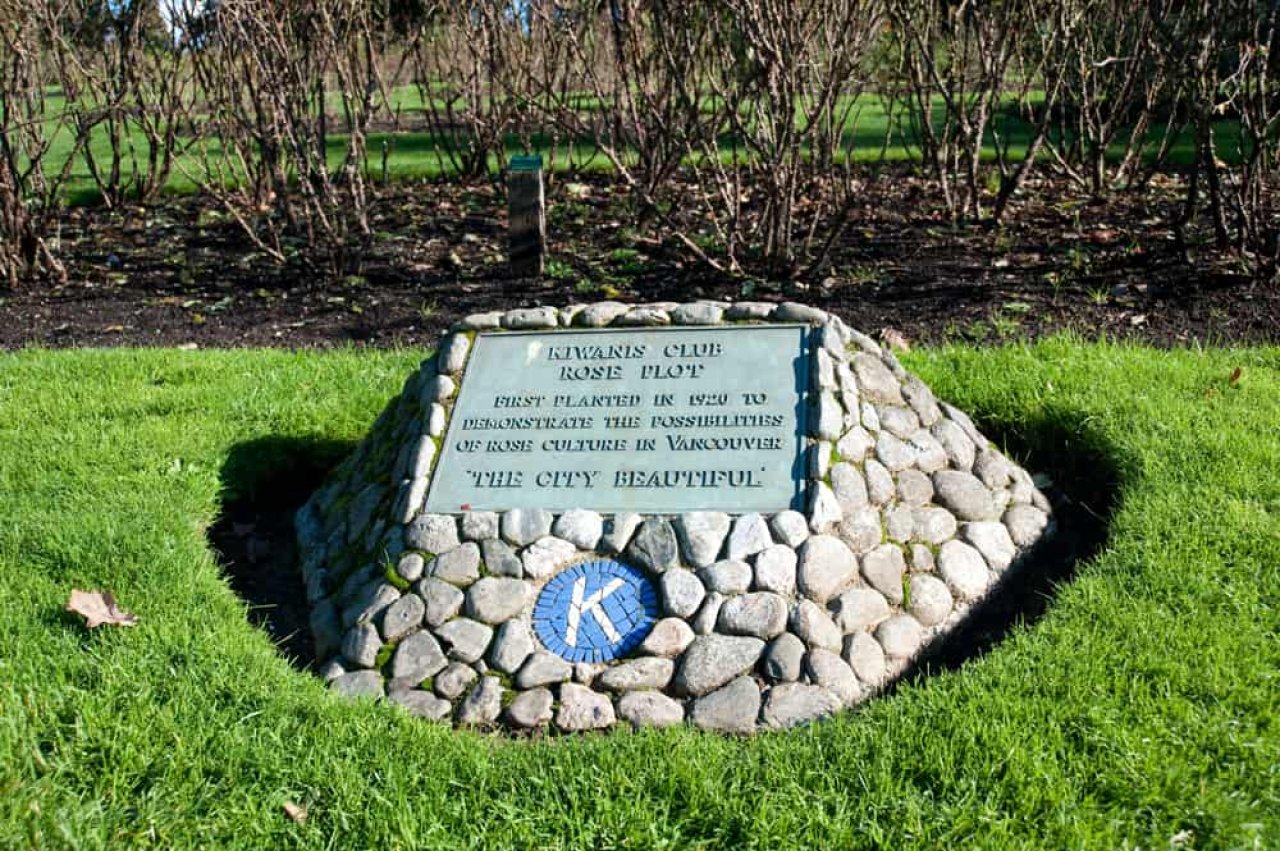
point(579, 606)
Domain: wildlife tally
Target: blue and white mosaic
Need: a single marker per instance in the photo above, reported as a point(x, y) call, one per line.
point(595, 611)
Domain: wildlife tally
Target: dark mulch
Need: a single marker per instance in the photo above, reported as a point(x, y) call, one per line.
point(184, 275)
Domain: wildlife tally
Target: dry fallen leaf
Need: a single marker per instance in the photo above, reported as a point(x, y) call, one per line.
point(895, 339)
point(1235, 376)
point(295, 812)
point(99, 607)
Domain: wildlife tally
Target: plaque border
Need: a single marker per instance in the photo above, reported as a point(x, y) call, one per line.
point(803, 377)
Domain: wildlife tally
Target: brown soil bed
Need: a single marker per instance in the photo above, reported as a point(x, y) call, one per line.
point(184, 275)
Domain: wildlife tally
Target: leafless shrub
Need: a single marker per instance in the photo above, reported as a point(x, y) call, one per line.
point(32, 123)
point(789, 74)
point(956, 56)
point(129, 90)
point(753, 98)
point(270, 80)
point(462, 66)
point(1249, 93)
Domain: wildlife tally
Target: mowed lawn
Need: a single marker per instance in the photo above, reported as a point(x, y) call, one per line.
point(874, 132)
point(1143, 709)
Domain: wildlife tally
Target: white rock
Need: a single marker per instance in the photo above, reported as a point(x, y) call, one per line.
point(647, 672)
point(783, 659)
point(900, 636)
point(704, 622)
point(827, 566)
point(479, 525)
point(934, 525)
point(899, 523)
point(855, 444)
point(880, 485)
point(452, 356)
point(512, 646)
point(531, 709)
point(731, 709)
point(531, 317)
point(824, 508)
point(876, 381)
point(963, 569)
point(957, 444)
point(865, 655)
point(713, 660)
point(727, 577)
point(437, 419)
point(790, 528)
point(1026, 524)
point(432, 533)
point(849, 487)
point(828, 670)
point(914, 488)
point(861, 530)
point(417, 657)
point(682, 592)
point(650, 709)
point(750, 535)
point(931, 602)
point(483, 705)
point(760, 613)
point(421, 704)
point(443, 600)
point(993, 541)
point(454, 680)
point(579, 527)
point(702, 535)
point(543, 669)
point(793, 704)
point(811, 624)
point(361, 644)
point(402, 617)
point(546, 555)
point(460, 566)
point(523, 526)
point(495, 599)
point(618, 531)
point(895, 453)
point(828, 418)
point(668, 638)
point(775, 570)
point(883, 569)
point(963, 495)
point(897, 420)
point(583, 709)
point(600, 314)
point(860, 608)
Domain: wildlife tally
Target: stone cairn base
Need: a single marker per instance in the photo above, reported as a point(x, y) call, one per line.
point(766, 621)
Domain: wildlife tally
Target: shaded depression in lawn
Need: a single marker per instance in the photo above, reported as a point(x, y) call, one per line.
point(264, 481)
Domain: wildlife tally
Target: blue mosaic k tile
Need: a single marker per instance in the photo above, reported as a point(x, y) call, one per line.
point(585, 614)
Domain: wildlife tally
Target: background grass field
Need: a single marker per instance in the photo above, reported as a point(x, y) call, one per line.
point(1141, 710)
point(872, 135)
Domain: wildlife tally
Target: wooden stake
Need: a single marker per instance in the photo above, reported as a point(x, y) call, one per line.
point(526, 210)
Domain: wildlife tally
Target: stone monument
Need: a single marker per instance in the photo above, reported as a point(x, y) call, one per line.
point(737, 516)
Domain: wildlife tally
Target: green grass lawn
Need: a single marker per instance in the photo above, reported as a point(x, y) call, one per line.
point(1144, 704)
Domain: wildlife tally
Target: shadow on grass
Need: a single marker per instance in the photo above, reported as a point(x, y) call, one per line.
point(265, 481)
